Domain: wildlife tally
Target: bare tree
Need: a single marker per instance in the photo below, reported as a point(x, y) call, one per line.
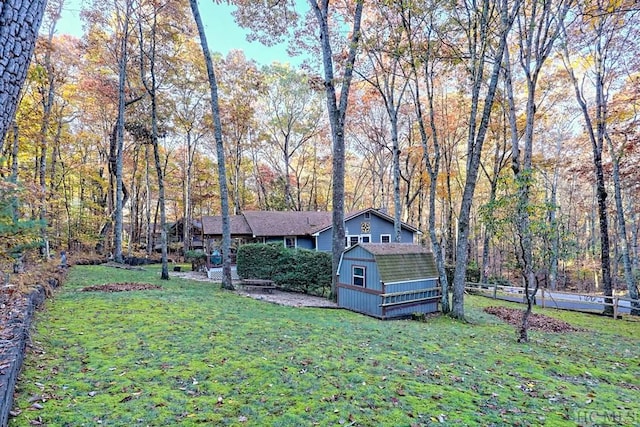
point(605, 29)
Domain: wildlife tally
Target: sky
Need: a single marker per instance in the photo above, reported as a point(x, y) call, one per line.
point(223, 34)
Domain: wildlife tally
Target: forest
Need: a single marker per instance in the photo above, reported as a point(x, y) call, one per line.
point(506, 130)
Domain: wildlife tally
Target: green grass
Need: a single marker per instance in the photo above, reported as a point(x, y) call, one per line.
point(191, 354)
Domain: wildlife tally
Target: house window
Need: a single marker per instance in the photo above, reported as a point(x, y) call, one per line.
point(385, 238)
point(367, 215)
point(358, 276)
point(354, 239)
point(290, 242)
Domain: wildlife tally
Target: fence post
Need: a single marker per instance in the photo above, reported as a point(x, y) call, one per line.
point(495, 290)
point(615, 308)
point(542, 297)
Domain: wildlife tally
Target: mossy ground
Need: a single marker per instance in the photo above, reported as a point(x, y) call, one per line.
point(191, 354)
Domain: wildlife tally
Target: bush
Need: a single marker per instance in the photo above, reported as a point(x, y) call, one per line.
point(297, 270)
point(473, 273)
point(197, 258)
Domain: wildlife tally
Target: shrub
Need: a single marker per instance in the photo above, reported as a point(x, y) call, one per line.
point(197, 258)
point(259, 261)
point(297, 270)
point(473, 273)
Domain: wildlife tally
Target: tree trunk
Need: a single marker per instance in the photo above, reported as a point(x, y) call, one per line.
point(122, 77)
point(597, 138)
point(19, 24)
point(629, 278)
point(337, 115)
point(431, 158)
point(222, 174)
point(475, 140)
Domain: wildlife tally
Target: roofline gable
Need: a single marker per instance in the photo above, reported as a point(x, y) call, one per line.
point(374, 211)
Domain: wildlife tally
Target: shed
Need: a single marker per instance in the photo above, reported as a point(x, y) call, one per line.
point(388, 280)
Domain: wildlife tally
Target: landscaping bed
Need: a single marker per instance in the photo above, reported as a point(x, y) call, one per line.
point(16, 315)
point(540, 322)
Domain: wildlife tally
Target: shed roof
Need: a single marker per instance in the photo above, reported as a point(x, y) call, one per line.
point(398, 262)
point(212, 225)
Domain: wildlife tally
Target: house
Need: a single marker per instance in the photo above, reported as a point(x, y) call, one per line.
point(306, 229)
point(175, 233)
point(388, 280)
point(366, 226)
point(175, 236)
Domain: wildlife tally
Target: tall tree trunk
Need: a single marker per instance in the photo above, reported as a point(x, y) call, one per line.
point(14, 170)
point(222, 174)
point(596, 136)
point(19, 24)
point(538, 28)
point(629, 278)
point(431, 158)
point(48, 93)
point(337, 115)
point(147, 197)
point(122, 77)
point(186, 227)
point(553, 224)
point(477, 132)
point(151, 88)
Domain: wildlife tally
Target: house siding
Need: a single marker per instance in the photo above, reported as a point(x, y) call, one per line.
point(379, 226)
point(301, 242)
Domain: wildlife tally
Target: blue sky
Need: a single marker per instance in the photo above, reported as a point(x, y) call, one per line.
point(223, 34)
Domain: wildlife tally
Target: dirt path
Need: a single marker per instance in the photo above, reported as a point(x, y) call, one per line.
point(277, 297)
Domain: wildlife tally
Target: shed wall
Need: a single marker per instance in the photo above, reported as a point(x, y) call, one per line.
point(359, 257)
point(357, 300)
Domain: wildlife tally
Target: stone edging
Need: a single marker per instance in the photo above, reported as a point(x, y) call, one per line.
point(14, 355)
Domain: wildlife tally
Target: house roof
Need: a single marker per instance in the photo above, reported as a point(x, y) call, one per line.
point(281, 223)
point(212, 225)
point(398, 262)
point(277, 223)
point(328, 224)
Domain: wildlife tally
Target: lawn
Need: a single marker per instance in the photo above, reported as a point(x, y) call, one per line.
point(192, 354)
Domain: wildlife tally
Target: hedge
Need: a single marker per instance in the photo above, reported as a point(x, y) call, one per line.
point(297, 270)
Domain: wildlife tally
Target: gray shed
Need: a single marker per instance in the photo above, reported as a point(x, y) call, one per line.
point(388, 280)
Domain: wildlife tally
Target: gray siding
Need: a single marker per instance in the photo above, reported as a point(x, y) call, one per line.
point(324, 241)
point(379, 226)
point(359, 257)
point(408, 310)
point(301, 242)
point(359, 301)
point(370, 300)
point(306, 243)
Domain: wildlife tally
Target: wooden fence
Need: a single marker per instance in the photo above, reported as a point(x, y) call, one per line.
point(553, 299)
